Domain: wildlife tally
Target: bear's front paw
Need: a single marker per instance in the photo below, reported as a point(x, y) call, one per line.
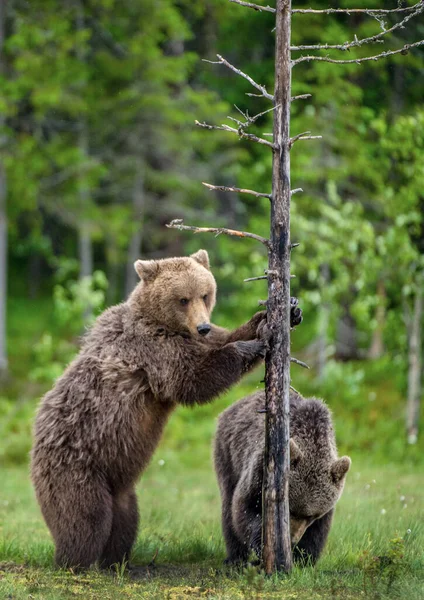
point(252, 349)
point(296, 316)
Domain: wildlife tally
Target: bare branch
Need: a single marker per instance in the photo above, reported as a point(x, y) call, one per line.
point(304, 136)
point(295, 191)
point(240, 132)
point(328, 11)
point(419, 8)
point(254, 6)
point(403, 50)
point(255, 278)
point(299, 362)
point(294, 245)
point(224, 188)
point(300, 97)
point(352, 11)
point(261, 88)
point(179, 224)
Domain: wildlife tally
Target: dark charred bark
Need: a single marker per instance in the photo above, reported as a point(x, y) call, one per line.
point(276, 516)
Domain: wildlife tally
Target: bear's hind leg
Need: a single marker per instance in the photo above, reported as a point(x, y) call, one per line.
point(80, 521)
point(124, 529)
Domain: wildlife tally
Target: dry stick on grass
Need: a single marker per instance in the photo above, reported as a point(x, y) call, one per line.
point(418, 8)
point(403, 50)
point(179, 224)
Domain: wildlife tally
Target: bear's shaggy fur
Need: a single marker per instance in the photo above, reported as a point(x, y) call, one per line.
point(97, 429)
point(316, 476)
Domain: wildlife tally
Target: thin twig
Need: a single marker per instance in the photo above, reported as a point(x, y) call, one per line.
point(294, 245)
point(254, 6)
point(403, 50)
point(304, 136)
point(178, 224)
point(255, 278)
point(261, 88)
point(419, 8)
point(299, 362)
point(294, 390)
point(240, 132)
point(300, 97)
point(224, 188)
point(296, 191)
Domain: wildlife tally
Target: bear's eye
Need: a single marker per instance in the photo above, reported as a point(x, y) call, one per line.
point(205, 298)
point(184, 301)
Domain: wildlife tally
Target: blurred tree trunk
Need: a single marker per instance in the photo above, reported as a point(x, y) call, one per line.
point(377, 343)
point(346, 336)
point(85, 248)
point(415, 366)
point(3, 224)
point(134, 248)
point(324, 320)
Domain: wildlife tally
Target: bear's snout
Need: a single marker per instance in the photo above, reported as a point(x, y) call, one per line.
point(204, 328)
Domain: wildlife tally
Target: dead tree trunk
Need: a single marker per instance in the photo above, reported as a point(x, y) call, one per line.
point(276, 515)
point(415, 366)
point(3, 229)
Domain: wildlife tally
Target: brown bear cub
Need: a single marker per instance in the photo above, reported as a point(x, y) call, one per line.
point(316, 476)
point(97, 429)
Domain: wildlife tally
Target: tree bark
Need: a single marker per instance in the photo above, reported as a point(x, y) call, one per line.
point(3, 226)
point(276, 515)
point(415, 366)
point(134, 248)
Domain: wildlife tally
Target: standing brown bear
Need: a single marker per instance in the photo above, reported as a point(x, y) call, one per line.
point(316, 483)
point(97, 429)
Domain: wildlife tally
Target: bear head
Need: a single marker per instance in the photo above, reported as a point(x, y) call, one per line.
point(317, 475)
point(177, 294)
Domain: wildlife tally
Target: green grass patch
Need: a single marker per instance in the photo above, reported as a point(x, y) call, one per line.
point(375, 549)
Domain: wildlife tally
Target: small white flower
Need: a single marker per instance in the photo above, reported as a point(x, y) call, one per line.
point(374, 481)
point(367, 487)
point(402, 498)
point(405, 505)
point(408, 531)
point(161, 462)
point(383, 511)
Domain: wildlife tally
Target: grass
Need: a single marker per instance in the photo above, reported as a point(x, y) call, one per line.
point(375, 550)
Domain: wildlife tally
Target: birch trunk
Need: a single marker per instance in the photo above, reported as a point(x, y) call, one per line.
point(276, 516)
point(415, 367)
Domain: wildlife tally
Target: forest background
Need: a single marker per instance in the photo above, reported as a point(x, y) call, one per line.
point(98, 151)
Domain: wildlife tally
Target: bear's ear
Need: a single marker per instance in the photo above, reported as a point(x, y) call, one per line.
point(146, 269)
point(339, 468)
point(295, 452)
point(202, 257)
